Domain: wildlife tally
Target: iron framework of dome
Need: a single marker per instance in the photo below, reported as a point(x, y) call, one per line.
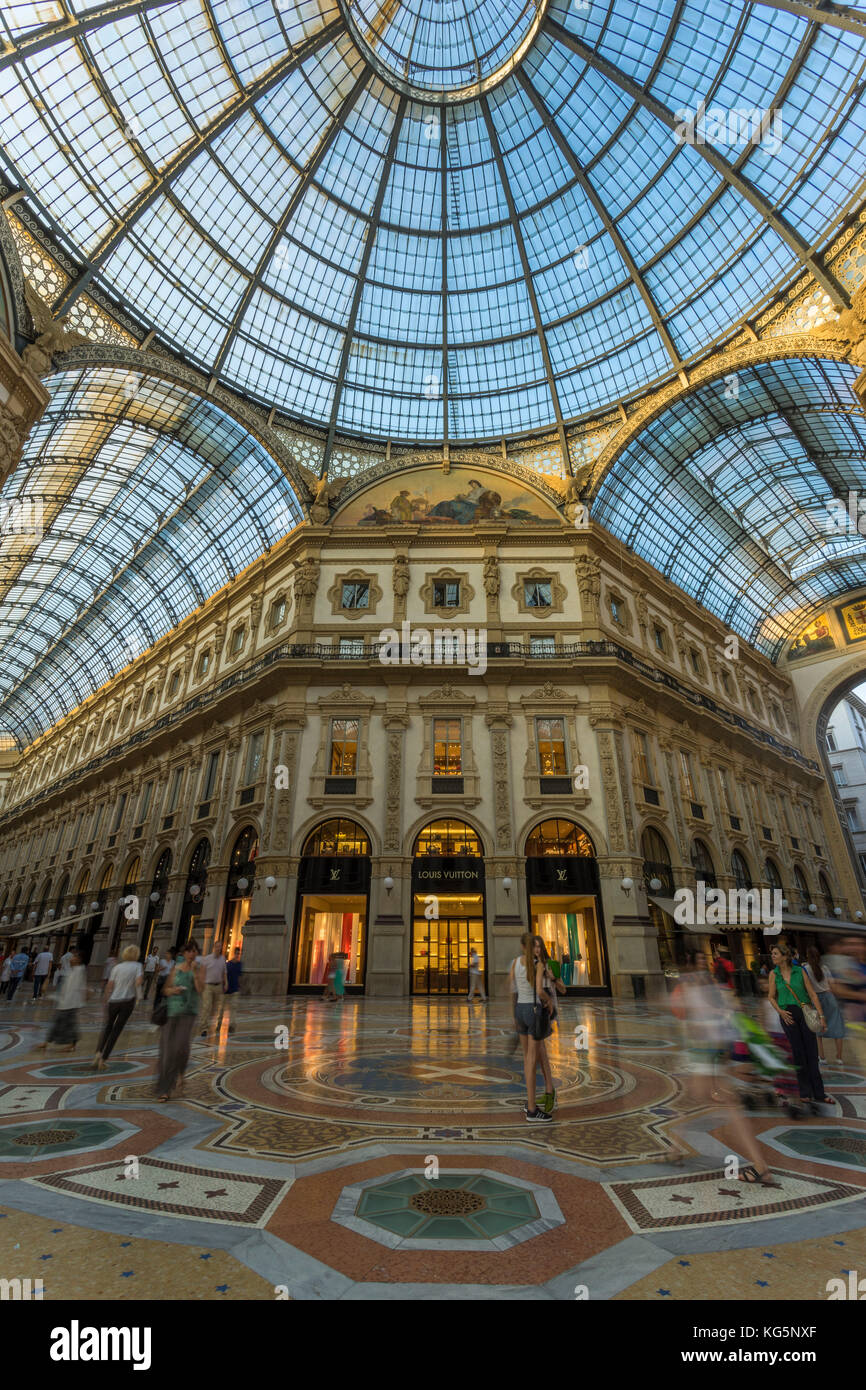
point(397, 227)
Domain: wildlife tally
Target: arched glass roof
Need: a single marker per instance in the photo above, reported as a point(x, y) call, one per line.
point(135, 501)
point(728, 493)
point(374, 253)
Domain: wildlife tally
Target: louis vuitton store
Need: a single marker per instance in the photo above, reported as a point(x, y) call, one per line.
point(565, 908)
point(332, 905)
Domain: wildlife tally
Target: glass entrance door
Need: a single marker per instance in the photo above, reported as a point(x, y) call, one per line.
point(441, 947)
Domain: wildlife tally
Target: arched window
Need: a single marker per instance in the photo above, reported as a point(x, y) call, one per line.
point(334, 837)
point(772, 875)
point(702, 863)
point(803, 892)
point(740, 870)
point(827, 895)
point(60, 900)
point(199, 860)
point(163, 868)
point(657, 861)
point(450, 838)
point(246, 847)
point(560, 837)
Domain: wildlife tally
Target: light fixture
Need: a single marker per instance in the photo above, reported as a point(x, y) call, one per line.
point(194, 890)
point(243, 884)
point(34, 914)
point(506, 884)
point(655, 884)
point(270, 883)
point(94, 906)
point(626, 885)
point(812, 907)
point(837, 912)
point(73, 907)
point(154, 897)
point(51, 912)
point(389, 884)
point(17, 916)
point(858, 915)
point(3, 920)
point(784, 904)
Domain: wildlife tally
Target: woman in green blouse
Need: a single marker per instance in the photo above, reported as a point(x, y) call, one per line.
point(790, 989)
point(181, 994)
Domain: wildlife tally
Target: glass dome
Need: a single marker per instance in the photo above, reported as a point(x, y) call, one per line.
point(401, 220)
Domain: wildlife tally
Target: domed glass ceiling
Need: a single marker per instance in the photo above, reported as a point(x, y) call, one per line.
point(418, 220)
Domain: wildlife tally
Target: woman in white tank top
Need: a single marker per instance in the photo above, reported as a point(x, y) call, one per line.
point(528, 981)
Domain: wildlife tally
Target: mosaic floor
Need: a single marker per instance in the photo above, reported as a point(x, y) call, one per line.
point(378, 1149)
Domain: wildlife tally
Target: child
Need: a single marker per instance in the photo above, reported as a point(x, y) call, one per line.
point(71, 997)
point(330, 975)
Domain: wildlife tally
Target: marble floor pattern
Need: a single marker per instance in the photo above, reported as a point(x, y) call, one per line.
point(378, 1149)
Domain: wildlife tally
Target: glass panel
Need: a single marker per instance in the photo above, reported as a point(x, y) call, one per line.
point(344, 747)
point(329, 925)
point(569, 929)
point(441, 948)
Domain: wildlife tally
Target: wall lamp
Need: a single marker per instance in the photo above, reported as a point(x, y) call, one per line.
point(506, 884)
point(626, 885)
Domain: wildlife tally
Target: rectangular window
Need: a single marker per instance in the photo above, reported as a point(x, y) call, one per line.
point(174, 685)
point(278, 611)
point(148, 702)
point(210, 776)
point(351, 646)
point(694, 657)
point(255, 749)
point(446, 593)
point(118, 817)
point(344, 748)
point(355, 594)
point(538, 593)
point(688, 778)
point(144, 803)
point(76, 830)
point(840, 774)
point(831, 741)
point(204, 663)
point(643, 759)
point(542, 646)
point(726, 682)
point(725, 792)
point(174, 791)
point(659, 638)
point(447, 748)
point(853, 817)
point(97, 820)
point(237, 641)
point(862, 858)
point(616, 610)
point(550, 736)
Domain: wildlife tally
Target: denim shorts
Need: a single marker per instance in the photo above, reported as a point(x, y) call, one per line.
point(524, 1015)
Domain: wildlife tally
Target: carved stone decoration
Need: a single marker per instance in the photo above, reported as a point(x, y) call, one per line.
point(610, 782)
point(675, 798)
point(51, 335)
point(322, 494)
point(395, 726)
point(642, 610)
point(283, 798)
point(501, 783)
point(588, 571)
point(491, 577)
point(626, 790)
point(11, 443)
point(306, 580)
point(400, 585)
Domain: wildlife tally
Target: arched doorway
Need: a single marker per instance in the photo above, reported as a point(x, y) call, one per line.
point(564, 891)
point(659, 880)
point(447, 907)
point(194, 891)
point(702, 863)
point(332, 904)
point(239, 888)
point(156, 901)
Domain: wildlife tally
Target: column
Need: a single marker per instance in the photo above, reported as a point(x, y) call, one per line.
point(389, 943)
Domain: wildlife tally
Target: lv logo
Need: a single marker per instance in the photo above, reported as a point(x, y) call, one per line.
point(560, 875)
point(335, 874)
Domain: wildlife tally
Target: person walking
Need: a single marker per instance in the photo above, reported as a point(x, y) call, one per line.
point(110, 963)
point(17, 970)
point(121, 992)
point(330, 975)
point(214, 978)
point(5, 974)
point(527, 973)
point(166, 965)
point(822, 978)
point(234, 970)
point(476, 979)
point(151, 965)
point(41, 971)
point(791, 991)
point(182, 992)
point(71, 996)
point(63, 968)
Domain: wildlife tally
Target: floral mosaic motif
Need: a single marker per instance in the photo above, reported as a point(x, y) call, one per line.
point(43, 1140)
point(455, 1206)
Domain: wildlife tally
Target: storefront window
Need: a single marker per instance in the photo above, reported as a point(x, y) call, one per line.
point(337, 837)
point(559, 837)
point(344, 747)
point(552, 760)
point(448, 837)
point(447, 748)
point(334, 878)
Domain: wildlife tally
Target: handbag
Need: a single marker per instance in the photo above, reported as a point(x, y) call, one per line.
point(160, 1013)
point(811, 1017)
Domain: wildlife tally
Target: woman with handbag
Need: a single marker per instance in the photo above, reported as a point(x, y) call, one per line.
point(533, 1018)
point(793, 996)
point(181, 995)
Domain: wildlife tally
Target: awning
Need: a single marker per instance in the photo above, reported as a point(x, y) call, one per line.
point(60, 925)
point(790, 922)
